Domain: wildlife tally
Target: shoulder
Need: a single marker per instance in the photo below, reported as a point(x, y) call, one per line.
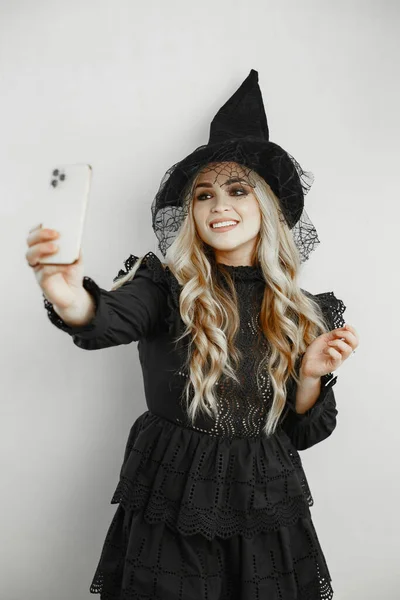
point(150, 267)
point(331, 306)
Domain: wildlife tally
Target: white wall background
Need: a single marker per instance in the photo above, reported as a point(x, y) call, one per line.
point(131, 88)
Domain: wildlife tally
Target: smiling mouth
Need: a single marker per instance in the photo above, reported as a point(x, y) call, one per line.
point(226, 228)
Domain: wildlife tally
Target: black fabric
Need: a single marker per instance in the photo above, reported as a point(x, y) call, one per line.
point(239, 133)
point(163, 565)
point(128, 314)
point(215, 509)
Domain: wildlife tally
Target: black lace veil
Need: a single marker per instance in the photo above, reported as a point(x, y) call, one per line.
point(171, 205)
point(239, 134)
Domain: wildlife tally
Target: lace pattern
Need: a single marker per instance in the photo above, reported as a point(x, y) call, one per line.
point(140, 560)
point(332, 308)
point(212, 493)
point(91, 286)
point(243, 408)
point(216, 487)
point(150, 261)
point(239, 145)
point(151, 266)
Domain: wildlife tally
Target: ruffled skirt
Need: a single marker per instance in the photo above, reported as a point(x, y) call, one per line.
point(211, 519)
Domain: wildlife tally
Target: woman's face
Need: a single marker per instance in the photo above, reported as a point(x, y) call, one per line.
point(217, 197)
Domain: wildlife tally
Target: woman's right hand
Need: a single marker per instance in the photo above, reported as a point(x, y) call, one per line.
point(61, 284)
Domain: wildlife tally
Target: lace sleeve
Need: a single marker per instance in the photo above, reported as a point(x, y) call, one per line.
point(316, 424)
point(332, 308)
point(130, 313)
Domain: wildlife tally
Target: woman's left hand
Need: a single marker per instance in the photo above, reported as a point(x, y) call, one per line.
point(328, 351)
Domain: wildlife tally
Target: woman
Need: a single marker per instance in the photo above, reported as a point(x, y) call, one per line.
point(237, 364)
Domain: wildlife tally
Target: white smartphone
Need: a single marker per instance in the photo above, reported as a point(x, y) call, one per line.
point(64, 209)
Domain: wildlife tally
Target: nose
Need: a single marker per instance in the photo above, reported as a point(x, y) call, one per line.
point(221, 206)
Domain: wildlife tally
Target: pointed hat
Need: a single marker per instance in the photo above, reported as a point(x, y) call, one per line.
point(238, 133)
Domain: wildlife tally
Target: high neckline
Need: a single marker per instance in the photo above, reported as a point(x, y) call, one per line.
point(242, 272)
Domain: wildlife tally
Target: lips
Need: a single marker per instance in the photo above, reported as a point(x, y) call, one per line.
point(222, 229)
point(216, 222)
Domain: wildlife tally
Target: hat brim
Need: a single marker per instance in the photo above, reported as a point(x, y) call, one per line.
point(289, 182)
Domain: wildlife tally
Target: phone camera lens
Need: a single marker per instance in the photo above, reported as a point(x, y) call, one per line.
point(62, 177)
point(56, 172)
point(54, 183)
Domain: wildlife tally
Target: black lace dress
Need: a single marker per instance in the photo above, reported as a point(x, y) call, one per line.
point(214, 511)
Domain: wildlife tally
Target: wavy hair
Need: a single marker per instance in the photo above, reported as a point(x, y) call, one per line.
point(289, 319)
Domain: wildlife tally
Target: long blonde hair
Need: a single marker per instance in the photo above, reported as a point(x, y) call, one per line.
point(290, 320)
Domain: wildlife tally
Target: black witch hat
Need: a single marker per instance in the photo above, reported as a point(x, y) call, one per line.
point(238, 133)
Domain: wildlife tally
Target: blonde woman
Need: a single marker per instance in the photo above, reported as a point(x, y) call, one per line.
point(237, 360)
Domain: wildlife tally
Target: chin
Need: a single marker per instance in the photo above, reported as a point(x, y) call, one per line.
point(225, 245)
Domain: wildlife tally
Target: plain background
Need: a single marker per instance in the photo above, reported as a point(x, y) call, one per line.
point(131, 88)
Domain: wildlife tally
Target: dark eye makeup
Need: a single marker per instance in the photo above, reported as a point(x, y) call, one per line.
point(237, 189)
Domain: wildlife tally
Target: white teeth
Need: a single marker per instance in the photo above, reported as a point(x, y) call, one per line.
point(224, 224)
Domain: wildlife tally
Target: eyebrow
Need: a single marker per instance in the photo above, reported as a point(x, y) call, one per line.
point(228, 182)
